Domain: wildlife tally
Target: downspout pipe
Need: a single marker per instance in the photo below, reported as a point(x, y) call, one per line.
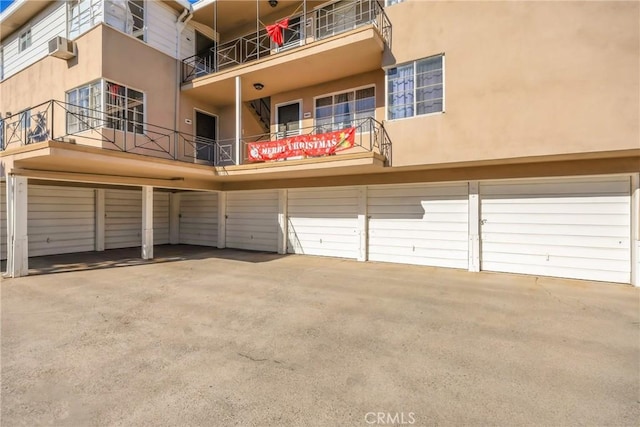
point(181, 23)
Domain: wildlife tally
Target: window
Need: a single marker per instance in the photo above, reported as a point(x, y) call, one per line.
point(347, 109)
point(342, 16)
point(124, 108)
point(392, 2)
point(416, 88)
point(24, 40)
point(126, 16)
point(85, 108)
point(83, 15)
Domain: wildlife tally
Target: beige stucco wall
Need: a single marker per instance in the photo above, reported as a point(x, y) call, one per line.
point(51, 77)
point(132, 63)
point(522, 78)
point(308, 94)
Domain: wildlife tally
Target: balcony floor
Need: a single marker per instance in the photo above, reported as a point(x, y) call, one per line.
point(70, 162)
point(350, 53)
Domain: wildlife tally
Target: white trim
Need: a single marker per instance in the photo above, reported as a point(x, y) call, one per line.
point(444, 85)
point(147, 222)
point(354, 90)
point(100, 212)
point(414, 63)
point(144, 105)
point(174, 218)
point(283, 221)
point(300, 114)
point(474, 252)
point(222, 220)
point(24, 30)
point(363, 223)
point(635, 229)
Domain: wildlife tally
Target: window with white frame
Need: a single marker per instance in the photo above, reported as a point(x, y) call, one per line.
point(107, 104)
point(346, 109)
point(124, 108)
point(24, 40)
point(126, 16)
point(416, 88)
point(82, 15)
point(84, 109)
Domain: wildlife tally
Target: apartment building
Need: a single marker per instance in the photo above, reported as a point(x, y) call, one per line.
point(496, 136)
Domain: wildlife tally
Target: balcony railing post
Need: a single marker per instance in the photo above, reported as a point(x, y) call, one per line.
point(53, 107)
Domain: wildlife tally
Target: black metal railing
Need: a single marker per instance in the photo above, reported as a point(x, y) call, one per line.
point(61, 121)
point(370, 136)
point(115, 130)
point(327, 21)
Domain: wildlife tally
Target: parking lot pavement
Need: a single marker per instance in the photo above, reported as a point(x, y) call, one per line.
point(224, 337)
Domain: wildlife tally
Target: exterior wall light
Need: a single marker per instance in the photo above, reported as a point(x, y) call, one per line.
point(273, 3)
point(258, 86)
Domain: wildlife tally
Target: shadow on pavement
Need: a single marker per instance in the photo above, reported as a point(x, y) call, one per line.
point(128, 257)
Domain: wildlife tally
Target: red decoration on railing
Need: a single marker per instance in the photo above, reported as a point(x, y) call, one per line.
point(321, 144)
point(275, 31)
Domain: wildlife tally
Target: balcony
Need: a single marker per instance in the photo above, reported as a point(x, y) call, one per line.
point(327, 43)
point(86, 141)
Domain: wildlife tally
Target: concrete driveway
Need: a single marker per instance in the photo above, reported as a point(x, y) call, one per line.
point(235, 338)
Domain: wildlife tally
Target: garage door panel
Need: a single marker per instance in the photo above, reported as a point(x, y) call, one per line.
point(199, 218)
point(543, 219)
point(617, 252)
point(252, 220)
point(123, 218)
point(574, 187)
point(614, 205)
point(436, 192)
point(60, 220)
point(556, 230)
point(160, 218)
point(559, 262)
point(3, 220)
point(415, 208)
point(324, 222)
point(578, 228)
point(541, 239)
point(395, 241)
point(419, 224)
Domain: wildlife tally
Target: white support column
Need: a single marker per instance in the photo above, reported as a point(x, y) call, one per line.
point(363, 224)
point(147, 222)
point(635, 229)
point(238, 119)
point(222, 220)
point(283, 221)
point(100, 219)
point(174, 218)
point(17, 239)
point(474, 226)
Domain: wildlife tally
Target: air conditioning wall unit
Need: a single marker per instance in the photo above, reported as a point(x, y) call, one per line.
point(62, 48)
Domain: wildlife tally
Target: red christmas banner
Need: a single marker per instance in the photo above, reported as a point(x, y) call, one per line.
point(302, 145)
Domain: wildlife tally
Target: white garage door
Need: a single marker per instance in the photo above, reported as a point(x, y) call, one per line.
point(199, 218)
point(419, 224)
point(160, 218)
point(572, 228)
point(60, 220)
point(323, 221)
point(252, 220)
point(3, 220)
point(123, 219)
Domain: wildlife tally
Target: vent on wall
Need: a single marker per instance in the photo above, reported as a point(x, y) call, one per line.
point(62, 48)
